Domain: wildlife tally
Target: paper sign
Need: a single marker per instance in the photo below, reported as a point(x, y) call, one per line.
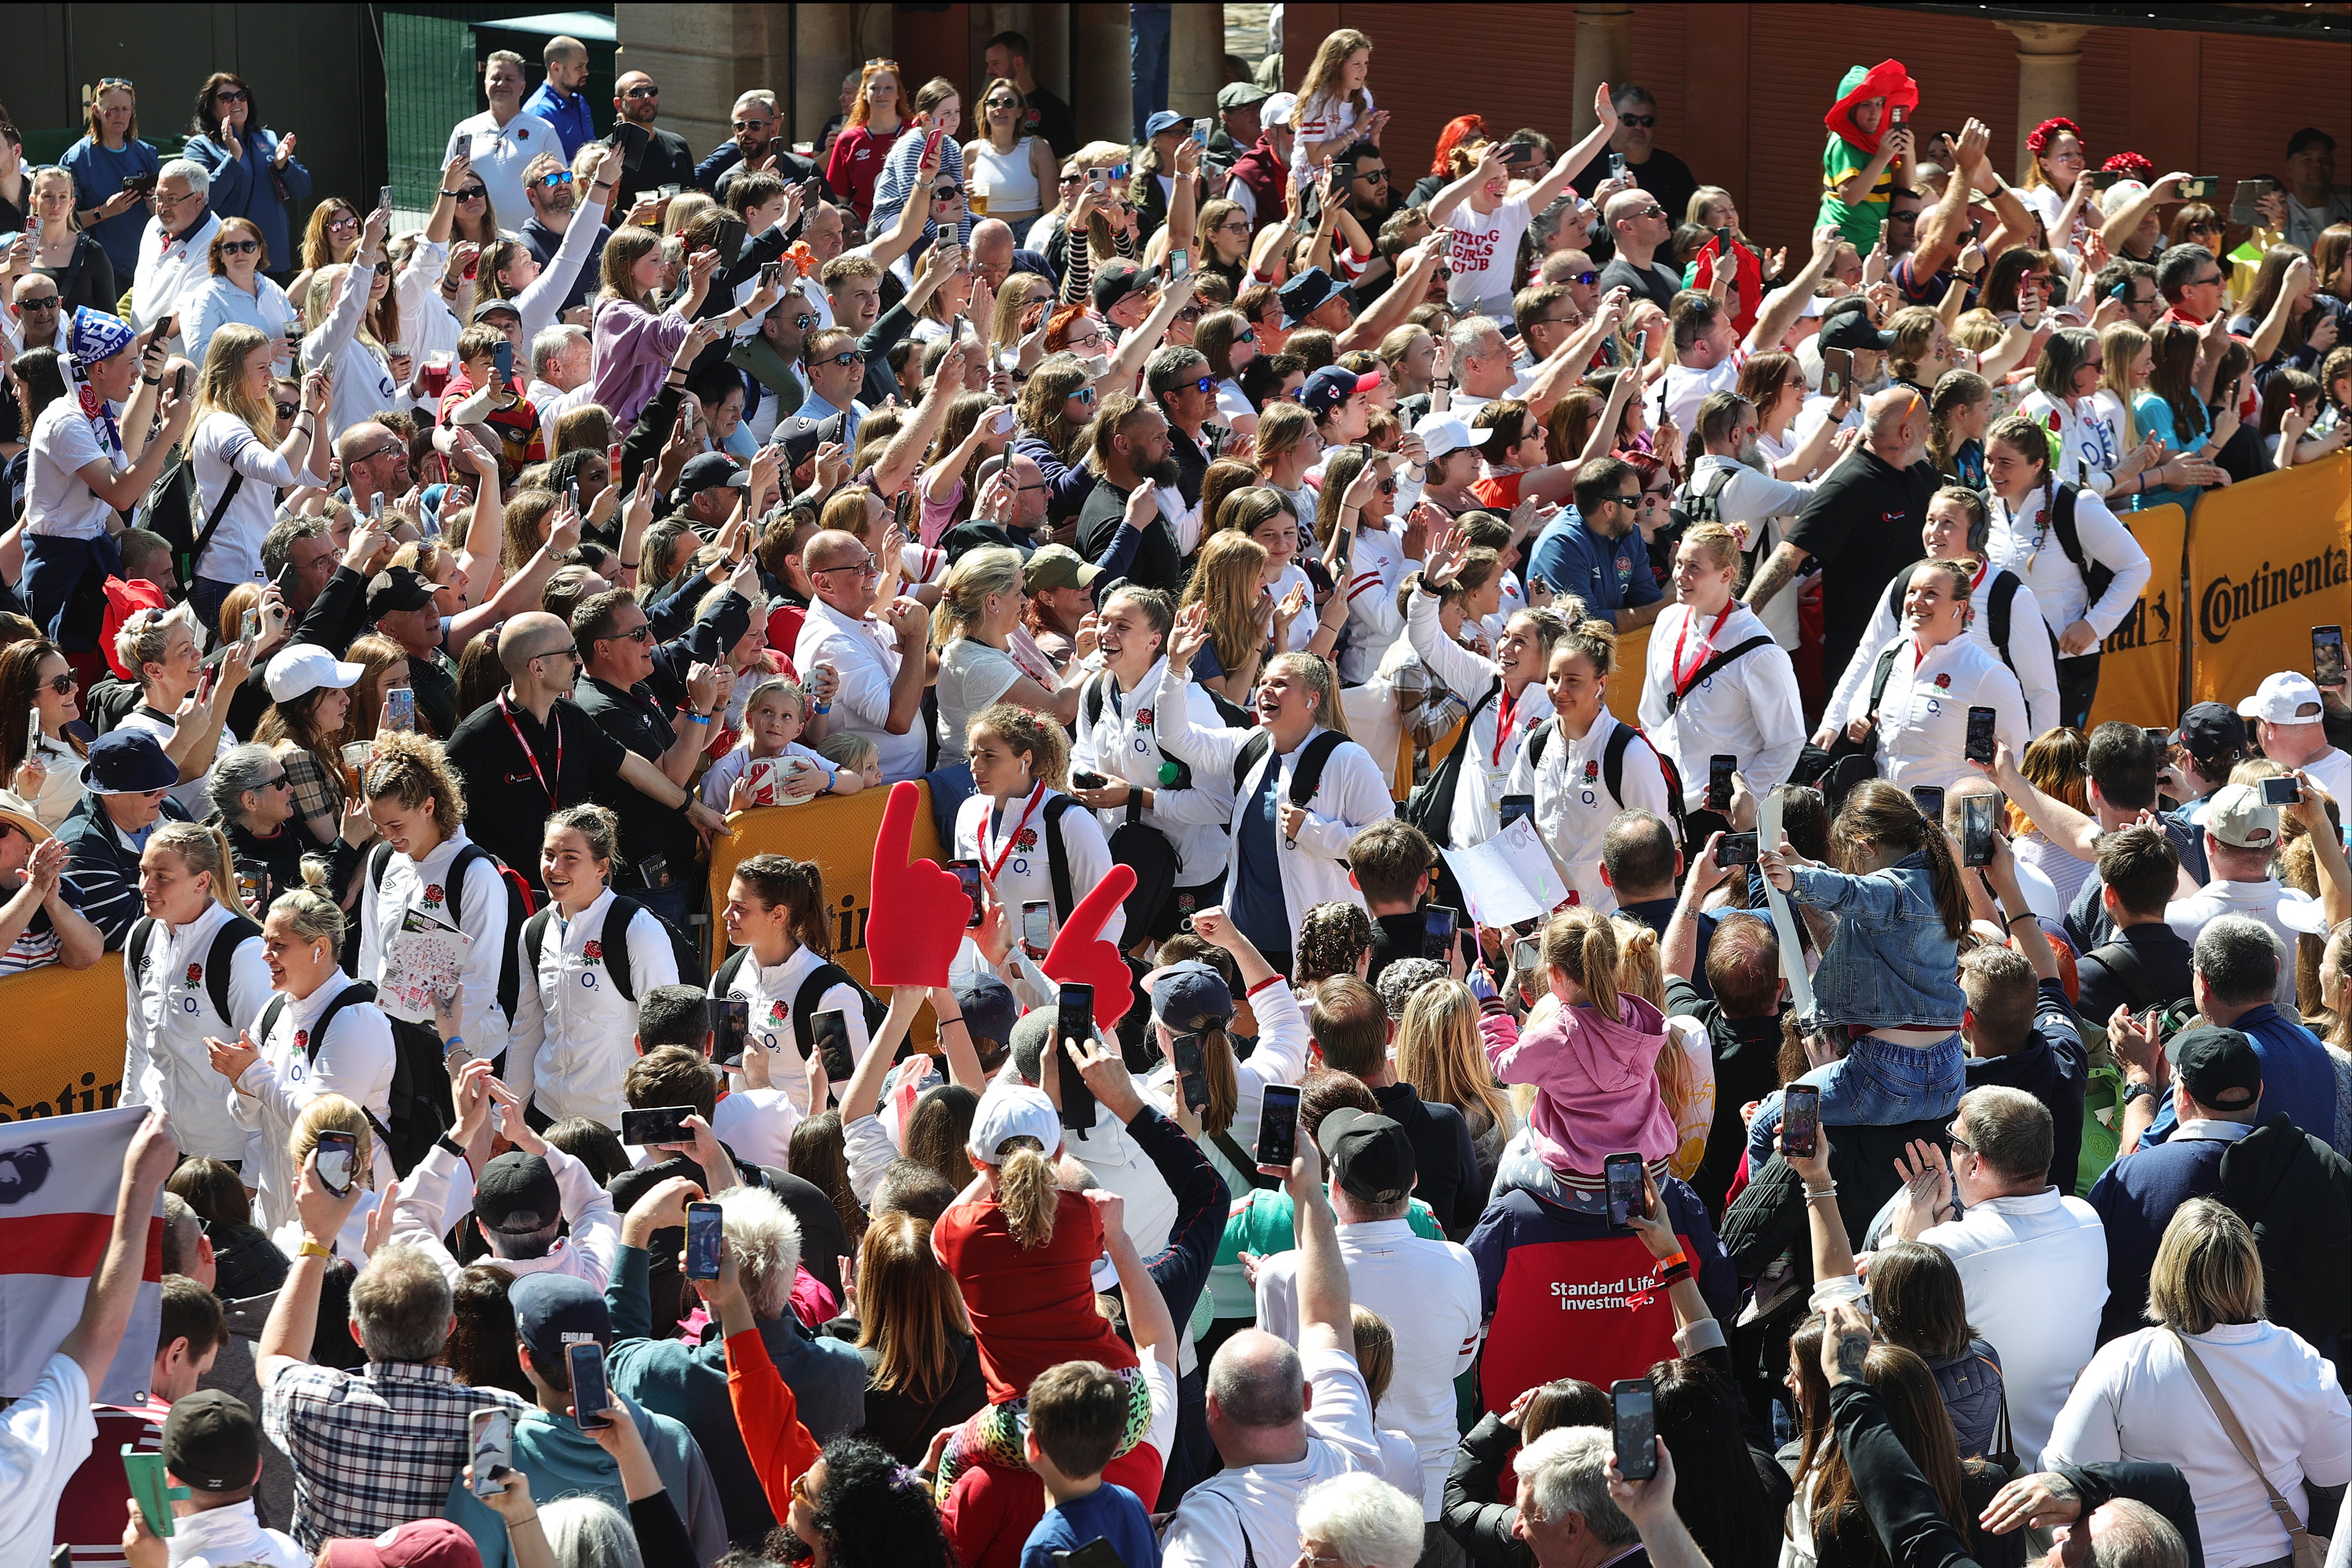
point(1508, 878)
point(1784, 921)
point(769, 776)
point(423, 958)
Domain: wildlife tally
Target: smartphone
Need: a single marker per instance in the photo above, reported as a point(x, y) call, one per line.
point(1527, 955)
point(2199, 189)
point(829, 1041)
point(1979, 745)
point(1514, 806)
point(1084, 780)
point(1616, 165)
point(1633, 1416)
point(399, 709)
point(1801, 1118)
point(1929, 799)
point(1278, 1125)
point(705, 1233)
point(730, 1027)
point(1723, 242)
point(1191, 1062)
point(1005, 417)
point(1343, 546)
point(383, 197)
point(1736, 849)
point(1073, 1019)
point(771, 275)
point(338, 1159)
point(1199, 133)
point(1096, 1553)
point(503, 357)
point(1179, 264)
point(1975, 830)
point(151, 1483)
point(1437, 931)
point(2280, 791)
point(632, 139)
point(2327, 655)
point(492, 1447)
point(1837, 373)
point(657, 1123)
point(931, 140)
point(1038, 925)
point(33, 732)
point(1622, 1173)
point(1098, 179)
point(728, 241)
point(204, 681)
point(1520, 154)
point(1896, 115)
point(968, 873)
point(142, 184)
point(1719, 769)
point(180, 382)
point(2241, 206)
point(591, 1395)
point(2107, 179)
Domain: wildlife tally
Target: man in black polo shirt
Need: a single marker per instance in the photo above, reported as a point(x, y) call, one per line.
point(1131, 455)
point(401, 605)
point(1182, 384)
point(533, 751)
point(625, 693)
point(1862, 525)
point(1390, 863)
point(1639, 861)
point(1351, 1028)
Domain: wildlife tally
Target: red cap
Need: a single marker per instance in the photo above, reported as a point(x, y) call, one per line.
point(420, 1544)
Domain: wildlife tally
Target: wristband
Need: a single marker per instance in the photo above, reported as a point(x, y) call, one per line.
point(151, 381)
point(628, 565)
point(697, 718)
point(822, 708)
point(445, 1142)
point(452, 195)
point(1828, 1192)
point(1681, 1260)
point(1674, 1274)
point(2024, 915)
point(957, 1019)
point(312, 1249)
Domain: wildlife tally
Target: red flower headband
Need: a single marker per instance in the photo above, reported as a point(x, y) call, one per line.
point(2131, 166)
point(2040, 140)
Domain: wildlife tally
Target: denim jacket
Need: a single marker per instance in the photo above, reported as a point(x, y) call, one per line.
point(1890, 962)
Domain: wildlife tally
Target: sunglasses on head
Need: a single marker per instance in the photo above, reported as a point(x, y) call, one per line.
point(239, 246)
point(1638, 121)
point(884, 65)
point(121, 81)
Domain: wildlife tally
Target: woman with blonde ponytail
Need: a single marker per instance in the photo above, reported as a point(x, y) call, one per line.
point(1022, 1252)
point(191, 967)
point(1591, 1053)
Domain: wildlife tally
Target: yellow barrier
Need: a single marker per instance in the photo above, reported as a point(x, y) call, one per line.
point(2268, 560)
point(61, 1033)
point(838, 833)
point(2139, 664)
point(1624, 692)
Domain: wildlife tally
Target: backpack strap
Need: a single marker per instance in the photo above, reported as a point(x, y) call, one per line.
point(1431, 806)
point(213, 522)
point(2118, 959)
point(134, 947)
point(2062, 523)
point(1093, 699)
point(1057, 862)
point(1996, 614)
point(1895, 592)
point(1307, 777)
point(1674, 697)
point(357, 991)
point(269, 1016)
point(619, 916)
point(1878, 679)
point(729, 967)
point(1256, 746)
point(378, 858)
point(1537, 738)
point(809, 1000)
point(1241, 1158)
point(234, 934)
point(534, 935)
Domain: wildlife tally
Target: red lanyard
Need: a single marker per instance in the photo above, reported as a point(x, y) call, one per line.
point(1013, 837)
point(1974, 582)
point(555, 722)
point(1684, 682)
point(1503, 725)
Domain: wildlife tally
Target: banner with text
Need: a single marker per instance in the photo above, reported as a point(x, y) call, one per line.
point(2268, 560)
point(61, 1033)
point(838, 833)
point(2139, 664)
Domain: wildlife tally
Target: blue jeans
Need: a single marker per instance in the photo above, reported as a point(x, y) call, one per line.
point(1148, 28)
point(205, 597)
point(1879, 1084)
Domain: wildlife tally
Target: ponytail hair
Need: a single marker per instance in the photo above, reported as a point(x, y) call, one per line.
point(1314, 672)
point(1877, 814)
point(1581, 944)
point(1641, 971)
point(309, 914)
point(1047, 743)
point(780, 882)
point(1596, 640)
point(1027, 1192)
point(411, 769)
point(202, 849)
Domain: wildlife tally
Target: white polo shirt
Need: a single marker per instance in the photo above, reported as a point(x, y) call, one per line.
point(866, 653)
point(1922, 720)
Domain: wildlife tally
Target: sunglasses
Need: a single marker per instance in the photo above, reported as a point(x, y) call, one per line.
point(1376, 176)
point(1086, 396)
point(645, 90)
point(281, 781)
point(1653, 210)
point(351, 220)
point(121, 81)
point(1000, 103)
point(1638, 121)
point(239, 246)
point(946, 193)
point(286, 410)
point(845, 357)
point(61, 684)
point(46, 302)
point(1205, 384)
point(229, 95)
point(566, 651)
point(560, 177)
point(1246, 337)
point(805, 322)
point(883, 65)
point(642, 633)
point(472, 192)
point(1070, 179)
point(384, 269)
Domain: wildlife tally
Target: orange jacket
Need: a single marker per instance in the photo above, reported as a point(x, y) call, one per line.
point(781, 1448)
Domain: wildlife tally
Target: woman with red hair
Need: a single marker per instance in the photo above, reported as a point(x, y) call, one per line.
point(2058, 181)
point(1457, 149)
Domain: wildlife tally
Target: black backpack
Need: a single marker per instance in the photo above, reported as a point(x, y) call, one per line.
point(234, 934)
point(1613, 764)
point(2005, 584)
point(2097, 575)
point(1306, 778)
point(613, 937)
point(807, 1000)
point(170, 510)
point(357, 991)
point(1430, 807)
point(518, 907)
point(1136, 842)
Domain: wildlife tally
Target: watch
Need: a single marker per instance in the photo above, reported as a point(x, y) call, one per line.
point(2133, 1090)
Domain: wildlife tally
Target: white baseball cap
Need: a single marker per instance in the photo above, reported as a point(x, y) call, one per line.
point(1276, 110)
point(304, 669)
point(1009, 1111)
point(2286, 698)
point(1443, 433)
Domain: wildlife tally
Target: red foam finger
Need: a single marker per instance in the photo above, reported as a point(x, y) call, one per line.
point(920, 908)
point(1081, 957)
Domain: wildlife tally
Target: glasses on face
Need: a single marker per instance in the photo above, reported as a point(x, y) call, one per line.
point(1377, 176)
point(1246, 337)
point(466, 193)
point(1653, 210)
point(40, 302)
point(754, 125)
point(1630, 501)
point(1085, 397)
point(640, 634)
point(61, 684)
point(1000, 103)
point(1557, 322)
point(2203, 228)
point(845, 357)
point(866, 569)
point(1189, 314)
point(1637, 121)
point(566, 651)
point(645, 90)
point(1070, 179)
point(805, 322)
point(351, 220)
point(1899, 217)
point(1953, 1133)
point(946, 193)
point(559, 178)
point(1585, 280)
point(2206, 282)
point(164, 198)
point(239, 246)
point(384, 269)
point(286, 410)
point(389, 446)
point(281, 781)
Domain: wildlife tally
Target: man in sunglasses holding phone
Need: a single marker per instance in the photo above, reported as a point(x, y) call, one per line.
point(667, 160)
point(1648, 165)
point(554, 189)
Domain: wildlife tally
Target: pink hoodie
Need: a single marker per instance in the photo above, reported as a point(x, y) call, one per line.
point(1597, 1088)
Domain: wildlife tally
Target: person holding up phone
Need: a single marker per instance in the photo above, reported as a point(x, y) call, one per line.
point(777, 913)
point(1934, 674)
point(1487, 221)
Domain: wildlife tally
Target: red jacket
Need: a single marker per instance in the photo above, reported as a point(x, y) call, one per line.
point(1266, 176)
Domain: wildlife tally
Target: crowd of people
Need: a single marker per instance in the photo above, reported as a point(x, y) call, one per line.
point(1897, 1121)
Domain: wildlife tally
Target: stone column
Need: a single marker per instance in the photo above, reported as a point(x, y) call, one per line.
point(823, 39)
point(2047, 83)
point(702, 56)
point(1103, 95)
point(1604, 52)
point(1196, 60)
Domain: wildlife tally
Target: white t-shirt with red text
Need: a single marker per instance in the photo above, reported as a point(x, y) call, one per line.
point(1485, 251)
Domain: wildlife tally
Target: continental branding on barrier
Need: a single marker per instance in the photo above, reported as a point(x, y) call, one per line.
point(72, 1098)
point(2149, 623)
point(2224, 601)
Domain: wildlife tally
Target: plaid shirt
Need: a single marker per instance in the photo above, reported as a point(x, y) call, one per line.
point(372, 1448)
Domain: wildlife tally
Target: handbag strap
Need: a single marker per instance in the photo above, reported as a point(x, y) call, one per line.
point(2229, 1418)
point(2004, 1445)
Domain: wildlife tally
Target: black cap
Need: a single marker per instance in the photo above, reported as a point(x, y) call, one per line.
point(1115, 280)
point(552, 1310)
point(517, 1194)
point(2212, 732)
point(1853, 331)
point(2305, 137)
point(1370, 1156)
point(398, 588)
point(212, 1442)
point(800, 435)
point(710, 471)
point(2217, 1067)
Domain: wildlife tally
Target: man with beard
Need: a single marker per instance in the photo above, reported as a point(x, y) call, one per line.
point(1132, 454)
point(1660, 172)
point(667, 160)
point(756, 139)
point(554, 194)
